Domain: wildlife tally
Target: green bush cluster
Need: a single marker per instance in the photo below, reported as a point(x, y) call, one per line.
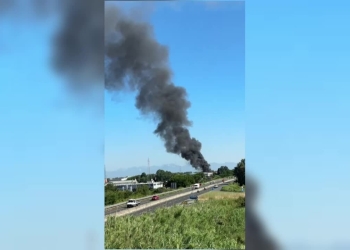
point(234, 187)
point(240, 201)
point(217, 224)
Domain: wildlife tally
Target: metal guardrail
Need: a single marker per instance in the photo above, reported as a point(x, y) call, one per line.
point(144, 206)
point(166, 193)
point(146, 197)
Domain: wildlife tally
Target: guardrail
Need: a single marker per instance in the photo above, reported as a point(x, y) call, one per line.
point(146, 197)
point(144, 206)
point(111, 207)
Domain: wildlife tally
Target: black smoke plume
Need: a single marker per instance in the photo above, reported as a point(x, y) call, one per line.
point(79, 44)
point(135, 60)
point(257, 235)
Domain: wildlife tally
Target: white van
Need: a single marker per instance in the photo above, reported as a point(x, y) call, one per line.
point(196, 186)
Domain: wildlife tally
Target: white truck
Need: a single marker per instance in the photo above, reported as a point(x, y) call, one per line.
point(196, 186)
point(132, 203)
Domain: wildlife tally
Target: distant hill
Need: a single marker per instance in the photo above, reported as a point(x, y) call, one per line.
point(122, 172)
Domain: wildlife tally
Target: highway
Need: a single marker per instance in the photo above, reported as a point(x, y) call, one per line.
point(118, 209)
point(173, 202)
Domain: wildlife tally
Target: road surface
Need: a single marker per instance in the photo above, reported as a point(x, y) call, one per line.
point(173, 202)
point(118, 209)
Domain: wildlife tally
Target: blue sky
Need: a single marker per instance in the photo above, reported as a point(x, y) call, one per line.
point(297, 122)
point(206, 45)
point(51, 163)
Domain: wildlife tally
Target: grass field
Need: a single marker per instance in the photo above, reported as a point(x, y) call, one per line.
point(213, 224)
point(219, 195)
point(233, 187)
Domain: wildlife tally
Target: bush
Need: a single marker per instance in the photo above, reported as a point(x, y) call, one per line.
point(231, 188)
point(143, 190)
point(110, 198)
point(218, 224)
point(240, 202)
point(159, 190)
point(239, 172)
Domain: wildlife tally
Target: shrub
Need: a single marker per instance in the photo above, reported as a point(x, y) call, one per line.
point(240, 202)
point(159, 190)
point(231, 188)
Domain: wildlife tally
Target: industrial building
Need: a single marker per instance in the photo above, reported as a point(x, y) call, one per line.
point(132, 185)
point(155, 185)
point(208, 174)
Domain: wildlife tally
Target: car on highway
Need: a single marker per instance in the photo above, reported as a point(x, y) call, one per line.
point(193, 197)
point(155, 198)
point(132, 203)
point(216, 186)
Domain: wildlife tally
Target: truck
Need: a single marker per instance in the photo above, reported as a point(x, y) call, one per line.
point(132, 203)
point(196, 186)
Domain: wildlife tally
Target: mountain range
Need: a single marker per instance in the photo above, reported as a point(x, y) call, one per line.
point(132, 171)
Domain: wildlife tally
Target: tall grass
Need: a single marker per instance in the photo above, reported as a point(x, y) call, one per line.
point(219, 195)
point(234, 187)
point(215, 224)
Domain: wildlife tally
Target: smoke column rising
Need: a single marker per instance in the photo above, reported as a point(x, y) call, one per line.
point(135, 60)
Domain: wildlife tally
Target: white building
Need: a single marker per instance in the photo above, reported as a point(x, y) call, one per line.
point(208, 174)
point(155, 185)
point(133, 184)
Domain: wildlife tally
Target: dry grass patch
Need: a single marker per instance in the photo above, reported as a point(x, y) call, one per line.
point(218, 195)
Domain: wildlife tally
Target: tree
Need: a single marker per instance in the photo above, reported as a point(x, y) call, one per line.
point(143, 177)
point(239, 172)
point(110, 197)
point(198, 177)
point(163, 176)
point(224, 171)
point(110, 187)
point(143, 190)
point(160, 175)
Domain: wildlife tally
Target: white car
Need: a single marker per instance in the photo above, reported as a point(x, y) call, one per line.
point(132, 203)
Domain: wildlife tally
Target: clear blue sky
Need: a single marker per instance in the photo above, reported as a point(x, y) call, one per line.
point(297, 117)
point(206, 44)
point(51, 162)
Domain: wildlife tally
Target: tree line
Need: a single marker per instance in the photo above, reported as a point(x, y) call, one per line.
point(113, 195)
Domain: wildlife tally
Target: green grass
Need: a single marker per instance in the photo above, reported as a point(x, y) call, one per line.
point(233, 187)
point(213, 224)
point(219, 195)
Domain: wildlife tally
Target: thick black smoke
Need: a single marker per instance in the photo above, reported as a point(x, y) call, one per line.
point(257, 236)
point(79, 44)
point(135, 60)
